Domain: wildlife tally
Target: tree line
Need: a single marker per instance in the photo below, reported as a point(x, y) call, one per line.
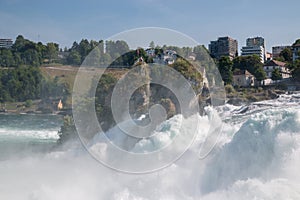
point(28, 53)
point(20, 84)
point(27, 83)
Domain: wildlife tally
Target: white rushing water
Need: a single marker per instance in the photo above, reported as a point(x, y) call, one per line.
point(256, 157)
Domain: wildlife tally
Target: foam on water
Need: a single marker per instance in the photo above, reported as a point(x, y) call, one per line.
point(9, 134)
point(251, 151)
point(257, 157)
point(29, 127)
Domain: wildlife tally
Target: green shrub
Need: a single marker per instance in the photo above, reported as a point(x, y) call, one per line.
point(229, 89)
point(28, 103)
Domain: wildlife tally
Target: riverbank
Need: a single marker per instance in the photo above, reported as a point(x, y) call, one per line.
point(234, 96)
point(33, 107)
point(240, 96)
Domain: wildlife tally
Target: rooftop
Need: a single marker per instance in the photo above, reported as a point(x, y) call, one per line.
point(296, 45)
point(242, 72)
point(275, 63)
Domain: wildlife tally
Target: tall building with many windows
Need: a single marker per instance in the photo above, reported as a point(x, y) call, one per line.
point(224, 46)
point(6, 43)
point(255, 46)
point(256, 41)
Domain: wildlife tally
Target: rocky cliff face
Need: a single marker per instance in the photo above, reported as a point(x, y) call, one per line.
point(145, 96)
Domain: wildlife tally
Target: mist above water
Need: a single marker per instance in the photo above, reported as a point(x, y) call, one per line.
point(257, 157)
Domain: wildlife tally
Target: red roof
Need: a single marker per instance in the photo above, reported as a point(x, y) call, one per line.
point(275, 63)
point(296, 45)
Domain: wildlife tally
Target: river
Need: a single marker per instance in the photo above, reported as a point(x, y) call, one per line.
point(257, 156)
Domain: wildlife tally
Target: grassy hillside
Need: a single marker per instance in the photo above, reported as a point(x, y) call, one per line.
point(67, 73)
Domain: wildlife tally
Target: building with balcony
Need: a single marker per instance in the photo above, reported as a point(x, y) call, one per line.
point(224, 46)
point(254, 50)
point(270, 66)
point(255, 46)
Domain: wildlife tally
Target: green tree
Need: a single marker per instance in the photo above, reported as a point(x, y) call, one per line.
point(17, 59)
point(52, 51)
point(129, 58)
point(103, 95)
point(19, 44)
point(116, 48)
point(225, 67)
point(94, 57)
point(260, 74)
point(295, 68)
point(94, 44)
point(152, 45)
point(105, 59)
point(188, 71)
point(74, 58)
point(276, 75)
point(28, 103)
point(122, 47)
point(186, 51)
point(297, 42)
point(201, 53)
point(26, 52)
point(67, 130)
point(31, 57)
point(286, 55)
point(252, 64)
point(6, 58)
point(74, 46)
point(84, 48)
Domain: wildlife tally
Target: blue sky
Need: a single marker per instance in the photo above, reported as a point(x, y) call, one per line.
point(64, 21)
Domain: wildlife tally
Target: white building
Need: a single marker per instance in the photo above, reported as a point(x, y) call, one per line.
point(270, 66)
point(167, 57)
point(243, 78)
point(170, 56)
point(296, 51)
point(6, 43)
point(254, 50)
point(255, 46)
point(150, 52)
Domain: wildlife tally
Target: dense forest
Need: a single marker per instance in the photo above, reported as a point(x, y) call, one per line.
point(28, 53)
point(20, 75)
point(27, 83)
point(20, 84)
